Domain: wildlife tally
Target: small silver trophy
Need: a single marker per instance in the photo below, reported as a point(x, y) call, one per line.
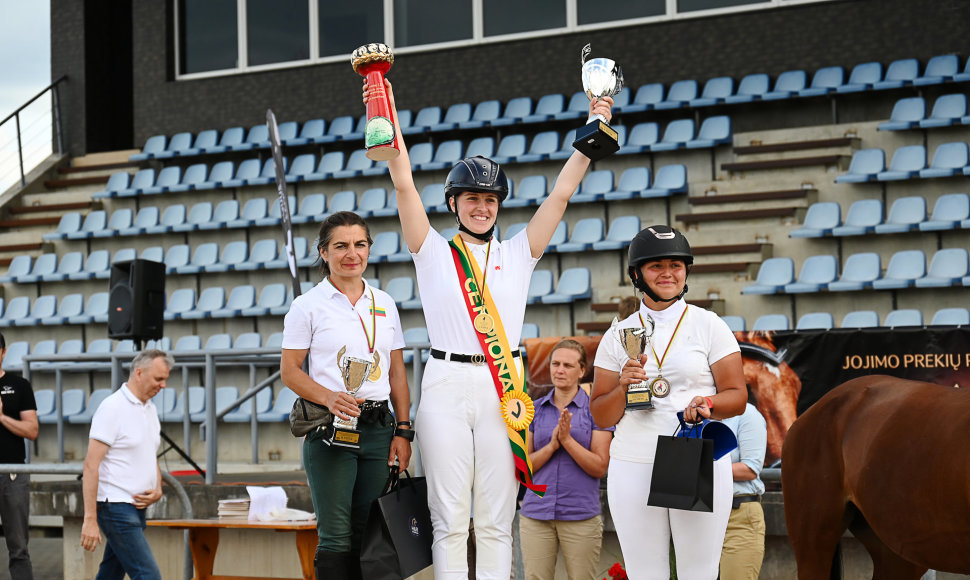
point(355, 372)
point(634, 342)
point(601, 78)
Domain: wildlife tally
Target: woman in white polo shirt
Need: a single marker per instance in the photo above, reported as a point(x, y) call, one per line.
point(342, 323)
point(473, 403)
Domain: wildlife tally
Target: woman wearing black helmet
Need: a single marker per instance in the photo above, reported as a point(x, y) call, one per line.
point(693, 364)
point(473, 289)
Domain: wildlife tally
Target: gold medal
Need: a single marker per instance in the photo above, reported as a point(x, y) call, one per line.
point(660, 387)
point(375, 371)
point(484, 323)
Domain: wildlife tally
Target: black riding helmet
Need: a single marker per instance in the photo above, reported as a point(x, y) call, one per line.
point(657, 243)
point(478, 174)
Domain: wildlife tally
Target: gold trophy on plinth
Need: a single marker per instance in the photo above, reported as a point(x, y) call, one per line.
point(634, 342)
point(354, 372)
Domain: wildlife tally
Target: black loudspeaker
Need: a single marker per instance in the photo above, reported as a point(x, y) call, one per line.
point(136, 300)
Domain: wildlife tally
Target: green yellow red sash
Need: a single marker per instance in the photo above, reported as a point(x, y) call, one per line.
point(516, 406)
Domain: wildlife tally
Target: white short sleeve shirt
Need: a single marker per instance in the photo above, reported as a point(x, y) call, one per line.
point(702, 340)
point(509, 271)
point(131, 431)
point(324, 321)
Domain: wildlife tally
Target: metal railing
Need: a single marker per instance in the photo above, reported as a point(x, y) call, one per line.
point(35, 135)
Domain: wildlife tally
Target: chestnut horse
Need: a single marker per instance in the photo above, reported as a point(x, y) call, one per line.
point(886, 458)
point(773, 384)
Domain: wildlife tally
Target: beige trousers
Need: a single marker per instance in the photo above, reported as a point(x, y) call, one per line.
point(579, 541)
point(744, 543)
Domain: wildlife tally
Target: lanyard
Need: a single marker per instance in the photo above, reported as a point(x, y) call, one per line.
point(481, 287)
point(660, 360)
point(371, 336)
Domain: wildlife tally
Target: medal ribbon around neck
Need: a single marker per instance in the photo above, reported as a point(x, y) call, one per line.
point(515, 405)
point(660, 360)
point(371, 337)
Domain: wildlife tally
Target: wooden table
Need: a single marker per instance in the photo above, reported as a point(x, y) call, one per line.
point(204, 541)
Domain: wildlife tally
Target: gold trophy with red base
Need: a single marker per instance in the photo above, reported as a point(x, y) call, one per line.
point(372, 61)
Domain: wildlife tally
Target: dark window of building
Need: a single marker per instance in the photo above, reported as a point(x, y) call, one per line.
point(430, 21)
point(692, 5)
point(277, 31)
point(593, 11)
point(346, 25)
point(209, 35)
point(511, 16)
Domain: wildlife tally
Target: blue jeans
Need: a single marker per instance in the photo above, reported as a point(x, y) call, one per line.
point(126, 549)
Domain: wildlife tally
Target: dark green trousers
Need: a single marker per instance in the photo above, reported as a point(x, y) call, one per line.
point(344, 482)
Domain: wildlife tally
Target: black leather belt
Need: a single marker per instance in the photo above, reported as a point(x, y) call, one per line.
point(740, 499)
point(478, 359)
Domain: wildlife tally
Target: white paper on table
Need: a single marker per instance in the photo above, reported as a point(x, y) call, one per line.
point(263, 501)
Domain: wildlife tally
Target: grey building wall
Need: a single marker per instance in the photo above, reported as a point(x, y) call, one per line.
point(809, 36)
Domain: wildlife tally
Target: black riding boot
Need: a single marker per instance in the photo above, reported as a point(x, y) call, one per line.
point(335, 566)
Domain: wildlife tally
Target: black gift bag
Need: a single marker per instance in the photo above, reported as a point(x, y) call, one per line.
point(683, 474)
point(398, 535)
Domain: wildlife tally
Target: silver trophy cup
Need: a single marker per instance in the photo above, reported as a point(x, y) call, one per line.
point(602, 77)
point(634, 342)
point(354, 372)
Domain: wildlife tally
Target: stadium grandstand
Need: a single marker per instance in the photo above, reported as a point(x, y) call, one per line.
point(815, 153)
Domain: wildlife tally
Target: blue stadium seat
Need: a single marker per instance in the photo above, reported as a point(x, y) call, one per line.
point(543, 145)
point(302, 166)
point(232, 254)
point(423, 121)
point(566, 149)
point(357, 164)
point(680, 94)
point(240, 298)
point(947, 268)
point(899, 73)
point(256, 209)
point(948, 159)
point(256, 138)
point(221, 341)
point(95, 310)
point(751, 88)
point(866, 164)
point(287, 130)
point(44, 265)
point(271, 296)
point(339, 127)
point(456, 114)
point(669, 179)
point(415, 336)
point(621, 232)
point(248, 340)
point(578, 107)
point(825, 80)
point(773, 322)
point(773, 275)
point(372, 200)
point(632, 181)
point(541, 284)
point(171, 217)
point(586, 232)
point(248, 169)
point(862, 218)
point(95, 221)
point(179, 302)
point(310, 132)
point(72, 403)
point(340, 201)
point(263, 401)
point(433, 197)
point(70, 263)
point(165, 401)
point(484, 146)
point(143, 180)
point(546, 109)
point(964, 76)
point(225, 213)
point(19, 266)
point(815, 321)
point(939, 69)
point(905, 215)
point(96, 265)
point(154, 144)
point(68, 224)
point(559, 235)
point(210, 300)
point(176, 256)
point(907, 114)
point(445, 156)
point(643, 136)
point(389, 209)
point(262, 252)
point(401, 289)
point(950, 209)
point(268, 173)
point(485, 112)
point(229, 138)
point(177, 145)
point(532, 190)
point(199, 214)
point(676, 135)
point(311, 208)
point(716, 90)
point(574, 284)
point(947, 110)
point(903, 317)
point(904, 268)
point(786, 85)
point(123, 255)
point(816, 274)
point(275, 213)
point(714, 131)
point(515, 110)
point(205, 142)
point(168, 178)
point(195, 402)
point(594, 186)
point(647, 97)
point(862, 78)
point(281, 407)
point(385, 244)
point(358, 133)
point(735, 323)
point(45, 306)
point(420, 153)
point(951, 317)
point(820, 219)
point(94, 401)
point(146, 217)
point(510, 148)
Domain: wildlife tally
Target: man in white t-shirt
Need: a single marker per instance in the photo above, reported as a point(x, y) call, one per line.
point(121, 473)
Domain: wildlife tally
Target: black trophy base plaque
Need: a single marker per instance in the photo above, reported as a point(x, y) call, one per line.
point(596, 140)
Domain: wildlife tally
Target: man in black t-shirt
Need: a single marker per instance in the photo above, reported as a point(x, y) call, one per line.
point(18, 420)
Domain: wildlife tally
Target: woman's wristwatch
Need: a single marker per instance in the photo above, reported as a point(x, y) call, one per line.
point(406, 433)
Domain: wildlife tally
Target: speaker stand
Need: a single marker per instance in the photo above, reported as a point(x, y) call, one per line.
point(180, 451)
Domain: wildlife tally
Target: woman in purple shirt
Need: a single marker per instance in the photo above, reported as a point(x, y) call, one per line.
point(569, 454)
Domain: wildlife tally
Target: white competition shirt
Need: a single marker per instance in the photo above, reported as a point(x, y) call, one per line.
point(323, 320)
point(510, 265)
point(130, 429)
point(702, 340)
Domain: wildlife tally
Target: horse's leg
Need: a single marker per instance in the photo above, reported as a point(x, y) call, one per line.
point(886, 565)
point(816, 519)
